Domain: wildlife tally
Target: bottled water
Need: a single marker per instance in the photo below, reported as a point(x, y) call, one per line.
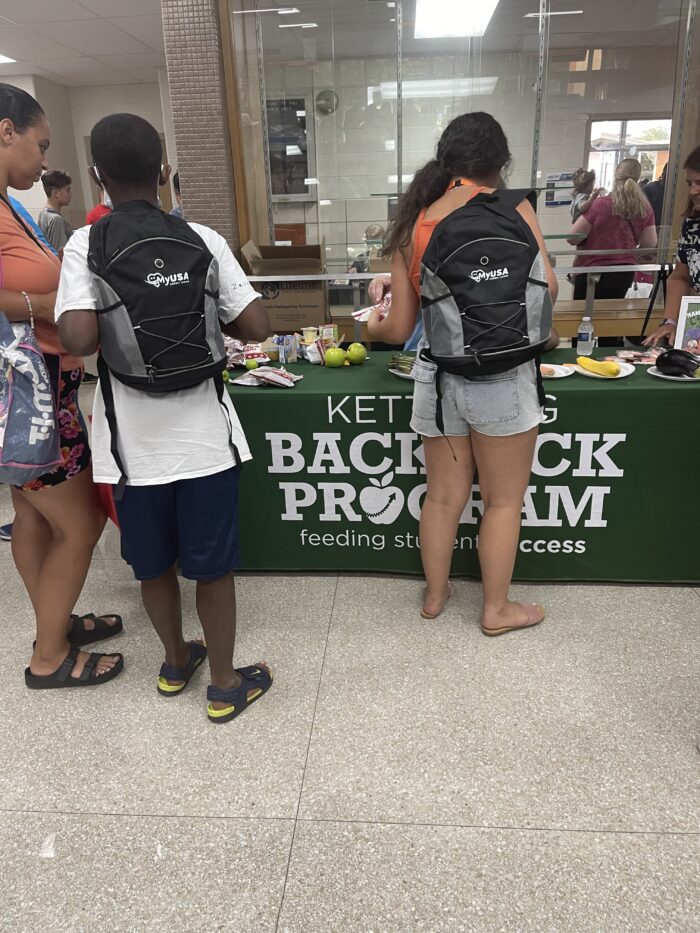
point(585, 341)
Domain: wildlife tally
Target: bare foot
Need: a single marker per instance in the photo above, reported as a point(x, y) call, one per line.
point(512, 616)
point(216, 704)
point(42, 667)
point(434, 604)
point(89, 624)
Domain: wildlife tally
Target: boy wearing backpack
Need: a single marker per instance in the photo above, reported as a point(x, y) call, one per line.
point(154, 293)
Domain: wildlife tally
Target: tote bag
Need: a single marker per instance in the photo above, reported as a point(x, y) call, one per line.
point(29, 438)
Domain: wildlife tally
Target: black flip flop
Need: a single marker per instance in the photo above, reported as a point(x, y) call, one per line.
point(198, 654)
point(62, 677)
point(254, 678)
point(79, 635)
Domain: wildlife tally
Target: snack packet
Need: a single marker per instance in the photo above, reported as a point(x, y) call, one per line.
point(384, 307)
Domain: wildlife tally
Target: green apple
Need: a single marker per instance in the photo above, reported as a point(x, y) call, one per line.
point(225, 375)
point(335, 356)
point(357, 353)
point(251, 364)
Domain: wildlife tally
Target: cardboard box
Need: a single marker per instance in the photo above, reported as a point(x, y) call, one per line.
point(380, 264)
point(290, 305)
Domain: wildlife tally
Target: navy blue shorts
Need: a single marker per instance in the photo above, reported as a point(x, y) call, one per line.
point(195, 520)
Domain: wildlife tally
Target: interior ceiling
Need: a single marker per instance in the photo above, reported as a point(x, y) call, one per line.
point(364, 28)
point(94, 42)
point(83, 42)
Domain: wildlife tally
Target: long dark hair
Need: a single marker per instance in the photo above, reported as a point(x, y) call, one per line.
point(693, 163)
point(20, 107)
point(474, 146)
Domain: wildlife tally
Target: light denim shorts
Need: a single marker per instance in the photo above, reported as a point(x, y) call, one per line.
point(499, 405)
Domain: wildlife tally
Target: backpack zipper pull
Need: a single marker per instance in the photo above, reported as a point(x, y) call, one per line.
point(151, 373)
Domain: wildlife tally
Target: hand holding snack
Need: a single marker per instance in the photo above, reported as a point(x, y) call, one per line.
point(378, 287)
point(383, 307)
point(375, 322)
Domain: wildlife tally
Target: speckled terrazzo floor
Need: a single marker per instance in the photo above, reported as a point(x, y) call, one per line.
point(400, 776)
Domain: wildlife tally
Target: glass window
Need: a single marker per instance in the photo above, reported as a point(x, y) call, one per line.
point(343, 100)
point(649, 141)
point(290, 153)
point(326, 77)
point(610, 88)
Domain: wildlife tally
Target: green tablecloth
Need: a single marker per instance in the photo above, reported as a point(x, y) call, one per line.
point(336, 481)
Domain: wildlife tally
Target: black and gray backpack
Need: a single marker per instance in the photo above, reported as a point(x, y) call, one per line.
point(484, 294)
point(158, 320)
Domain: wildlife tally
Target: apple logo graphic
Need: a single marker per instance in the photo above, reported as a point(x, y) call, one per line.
point(381, 502)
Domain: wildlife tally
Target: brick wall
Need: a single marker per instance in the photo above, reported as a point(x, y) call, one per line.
point(195, 75)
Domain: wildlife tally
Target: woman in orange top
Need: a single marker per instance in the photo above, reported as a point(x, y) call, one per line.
point(491, 423)
point(58, 518)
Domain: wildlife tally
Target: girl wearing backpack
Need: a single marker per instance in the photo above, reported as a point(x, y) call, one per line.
point(58, 520)
point(489, 423)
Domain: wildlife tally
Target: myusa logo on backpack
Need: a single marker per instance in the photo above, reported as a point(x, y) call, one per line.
point(177, 278)
point(482, 275)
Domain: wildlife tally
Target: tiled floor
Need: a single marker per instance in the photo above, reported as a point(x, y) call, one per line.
point(400, 776)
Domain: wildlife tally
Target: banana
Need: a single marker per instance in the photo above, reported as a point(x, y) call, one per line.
point(607, 369)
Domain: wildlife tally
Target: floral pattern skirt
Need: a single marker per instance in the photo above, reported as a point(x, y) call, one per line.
point(75, 446)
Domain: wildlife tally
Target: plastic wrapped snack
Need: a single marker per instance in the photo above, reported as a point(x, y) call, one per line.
point(384, 307)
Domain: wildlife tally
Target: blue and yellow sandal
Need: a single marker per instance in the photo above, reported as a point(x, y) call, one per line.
point(255, 681)
point(198, 654)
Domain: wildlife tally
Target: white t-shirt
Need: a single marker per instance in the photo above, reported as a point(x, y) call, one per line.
point(177, 435)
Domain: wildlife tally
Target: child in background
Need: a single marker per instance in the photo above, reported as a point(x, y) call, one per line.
point(584, 194)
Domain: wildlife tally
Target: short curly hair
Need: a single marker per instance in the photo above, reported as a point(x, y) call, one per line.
point(582, 179)
point(54, 180)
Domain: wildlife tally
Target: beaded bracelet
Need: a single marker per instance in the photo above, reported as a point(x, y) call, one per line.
point(30, 309)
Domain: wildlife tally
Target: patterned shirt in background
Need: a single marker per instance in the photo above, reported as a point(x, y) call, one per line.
point(689, 249)
point(55, 227)
point(576, 204)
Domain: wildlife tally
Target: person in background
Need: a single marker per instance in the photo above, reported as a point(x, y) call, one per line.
point(584, 192)
point(20, 209)
point(99, 210)
point(619, 221)
point(52, 223)
point(491, 424)
point(58, 519)
point(685, 278)
point(654, 193)
point(177, 210)
point(181, 499)
point(374, 233)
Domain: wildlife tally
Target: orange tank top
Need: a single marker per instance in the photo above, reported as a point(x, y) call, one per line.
point(28, 267)
point(423, 230)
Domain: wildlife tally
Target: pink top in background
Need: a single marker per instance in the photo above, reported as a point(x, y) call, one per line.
point(608, 231)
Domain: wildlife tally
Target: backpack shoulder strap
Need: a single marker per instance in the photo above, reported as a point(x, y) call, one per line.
point(96, 245)
point(110, 415)
point(515, 196)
